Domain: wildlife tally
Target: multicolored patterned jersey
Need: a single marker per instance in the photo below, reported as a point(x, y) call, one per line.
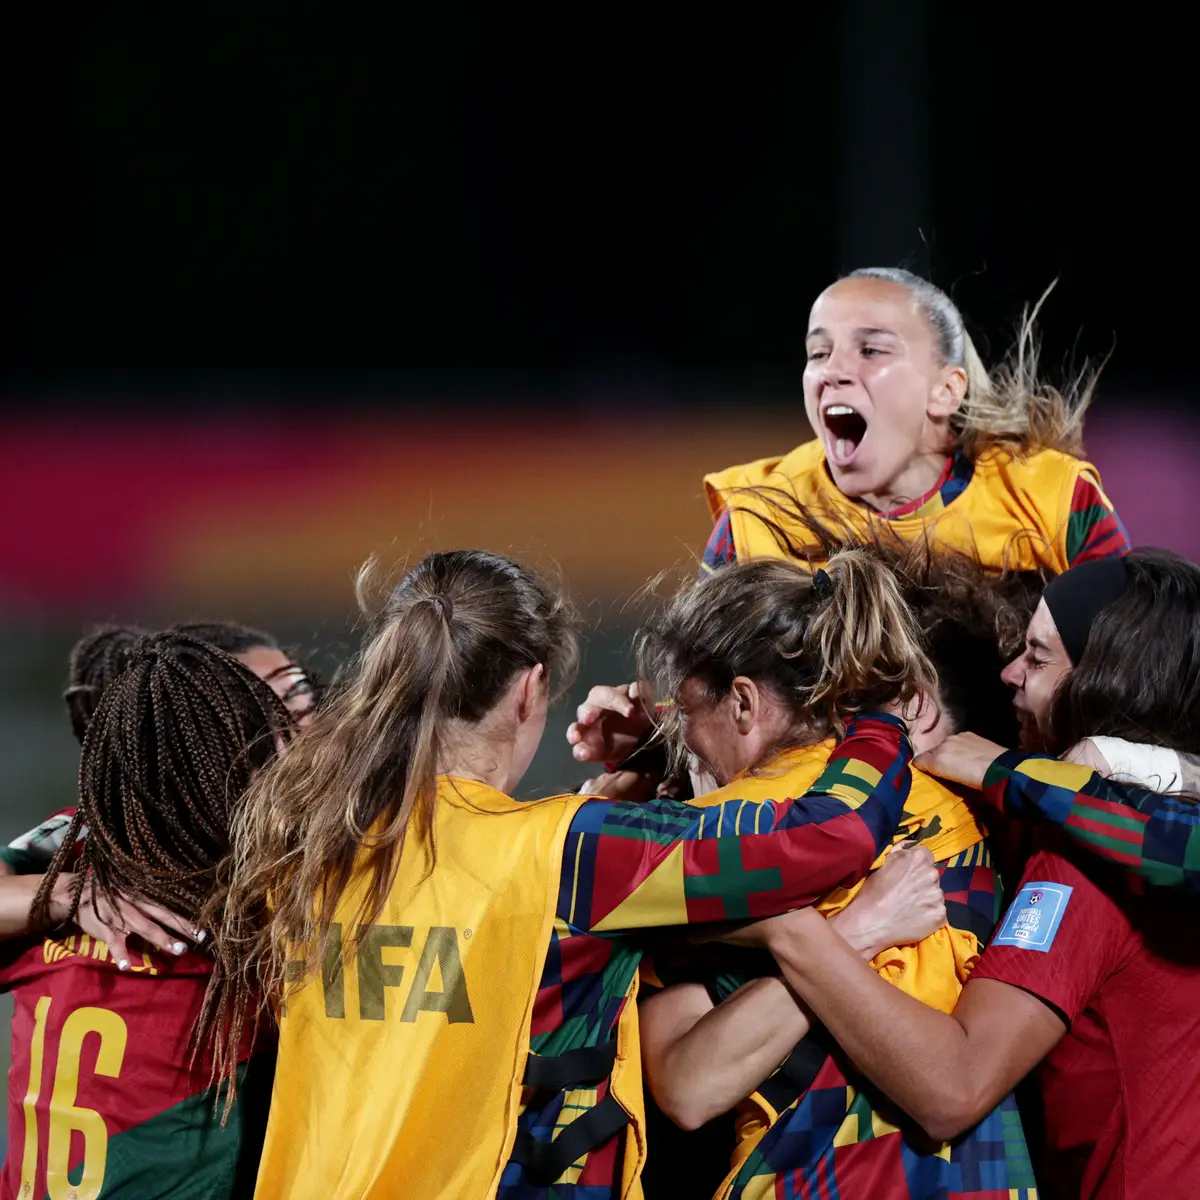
point(840, 1136)
point(1153, 836)
point(816, 1121)
point(630, 868)
point(30, 854)
point(1093, 528)
point(103, 1101)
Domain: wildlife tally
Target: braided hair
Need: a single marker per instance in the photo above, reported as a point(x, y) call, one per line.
point(168, 753)
point(96, 660)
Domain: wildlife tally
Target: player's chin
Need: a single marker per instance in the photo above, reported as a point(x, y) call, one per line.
point(857, 479)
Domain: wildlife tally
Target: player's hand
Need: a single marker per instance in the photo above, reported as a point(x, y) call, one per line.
point(608, 725)
point(901, 903)
point(622, 785)
point(155, 925)
point(962, 757)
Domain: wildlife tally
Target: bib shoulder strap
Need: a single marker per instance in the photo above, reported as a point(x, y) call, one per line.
point(545, 1162)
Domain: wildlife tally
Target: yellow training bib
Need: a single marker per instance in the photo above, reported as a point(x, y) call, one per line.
point(400, 1073)
point(1014, 513)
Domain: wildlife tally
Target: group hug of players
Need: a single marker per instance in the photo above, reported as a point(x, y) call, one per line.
point(889, 852)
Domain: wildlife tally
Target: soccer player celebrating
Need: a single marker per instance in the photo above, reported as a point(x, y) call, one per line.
point(455, 970)
point(1092, 978)
point(96, 660)
point(1088, 639)
point(105, 1096)
point(915, 438)
point(727, 651)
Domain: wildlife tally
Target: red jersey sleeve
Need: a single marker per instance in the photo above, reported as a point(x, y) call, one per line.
point(1093, 528)
point(1061, 937)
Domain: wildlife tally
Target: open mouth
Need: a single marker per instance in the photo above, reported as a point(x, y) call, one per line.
point(1027, 726)
point(845, 431)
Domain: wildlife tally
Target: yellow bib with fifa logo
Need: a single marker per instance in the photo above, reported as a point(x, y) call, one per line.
point(400, 1074)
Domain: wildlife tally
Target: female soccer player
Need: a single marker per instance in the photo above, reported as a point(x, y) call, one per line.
point(105, 1098)
point(725, 651)
point(95, 661)
point(916, 442)
point(1090, 636)
point(292, 682)
point(455, 970)
point(1092, 979)
point(914, 436)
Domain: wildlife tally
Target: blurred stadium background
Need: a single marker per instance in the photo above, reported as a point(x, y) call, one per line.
point(281, 291)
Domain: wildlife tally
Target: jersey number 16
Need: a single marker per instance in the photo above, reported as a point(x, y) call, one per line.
point(65, 1117)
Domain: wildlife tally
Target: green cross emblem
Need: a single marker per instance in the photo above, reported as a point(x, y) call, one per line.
point(732, 883)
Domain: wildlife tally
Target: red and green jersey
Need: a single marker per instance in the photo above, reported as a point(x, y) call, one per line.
point(1153, 836)
point(629, 869)
point(103, 1100)
point(836, 1134)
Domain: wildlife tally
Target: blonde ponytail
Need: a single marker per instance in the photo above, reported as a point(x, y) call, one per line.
point(1013, 408)
point(828, 645)
point(864, 640)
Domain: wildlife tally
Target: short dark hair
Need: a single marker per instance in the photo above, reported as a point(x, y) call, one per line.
point(974, 623)
point(1139, 675)
point(230, 636)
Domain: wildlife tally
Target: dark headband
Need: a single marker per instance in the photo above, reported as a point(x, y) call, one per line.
point(1078, 596)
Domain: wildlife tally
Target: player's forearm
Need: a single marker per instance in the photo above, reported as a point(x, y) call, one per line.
point(826, 838)
point(728, 1053)
point(1138, 829)
point(818, 853)
point(17, 893)
point(917, 1055)
point(731, 1050)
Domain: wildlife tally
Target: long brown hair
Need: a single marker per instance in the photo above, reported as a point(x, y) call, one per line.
point(829, 646)
point(167, 756)
point(1139, 675)
point(335, 811)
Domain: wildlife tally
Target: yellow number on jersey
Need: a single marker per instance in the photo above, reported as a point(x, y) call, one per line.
point(65, 1116)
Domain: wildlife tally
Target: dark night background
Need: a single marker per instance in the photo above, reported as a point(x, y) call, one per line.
point(285, 284)
point(462, 193)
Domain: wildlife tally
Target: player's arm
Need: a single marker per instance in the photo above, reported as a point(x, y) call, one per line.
point(667, 863)
point(946, 1071)
point(1093, 528)
point(1056, 944)
point(703, 1058)
point(16, 897)
point(155, 925)
point(1151, 835)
